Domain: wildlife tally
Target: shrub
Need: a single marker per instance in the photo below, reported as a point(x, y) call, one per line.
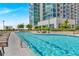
point(77, 26)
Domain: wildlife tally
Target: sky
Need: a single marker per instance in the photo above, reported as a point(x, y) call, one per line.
point(14, 14)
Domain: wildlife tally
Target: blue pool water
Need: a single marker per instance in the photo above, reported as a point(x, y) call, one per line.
point(51, 44)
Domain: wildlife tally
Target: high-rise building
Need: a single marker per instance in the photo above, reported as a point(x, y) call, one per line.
point(42, 13)
point(34, 13)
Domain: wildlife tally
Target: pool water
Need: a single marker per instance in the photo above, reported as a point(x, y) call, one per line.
point(51, 44)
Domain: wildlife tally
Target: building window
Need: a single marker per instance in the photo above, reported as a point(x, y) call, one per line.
point(58, 9)
point(63, 7)
point(54, 14)
point(54, 10)
point(64, 16)
point(58, 5)
point(64, 3)
point(58, 14)
point(64, 11)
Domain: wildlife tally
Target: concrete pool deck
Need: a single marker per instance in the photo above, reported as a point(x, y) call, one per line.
point(14, 47)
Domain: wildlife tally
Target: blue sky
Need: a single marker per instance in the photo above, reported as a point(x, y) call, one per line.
point(14, 13)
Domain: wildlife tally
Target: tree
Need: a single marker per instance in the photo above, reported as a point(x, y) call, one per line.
point(29, 26)
point(20, 26)
point(66, 24)
point(61, 26)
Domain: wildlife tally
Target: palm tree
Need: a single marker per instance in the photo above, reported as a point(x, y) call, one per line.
point(66, 23)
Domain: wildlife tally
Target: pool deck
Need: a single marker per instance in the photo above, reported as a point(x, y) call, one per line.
point(56, 32)
point(14, 47)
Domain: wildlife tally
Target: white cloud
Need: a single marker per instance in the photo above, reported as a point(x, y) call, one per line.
point(4, 11)
point(7, 10)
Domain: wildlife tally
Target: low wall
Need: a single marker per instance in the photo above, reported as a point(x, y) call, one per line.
point(55, 32)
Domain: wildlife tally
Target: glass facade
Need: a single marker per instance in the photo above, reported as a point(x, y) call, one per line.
point(49, 10)
point(34, 14)
point(52, 10)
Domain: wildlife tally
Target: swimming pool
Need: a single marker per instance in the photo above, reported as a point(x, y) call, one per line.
point(51, 44)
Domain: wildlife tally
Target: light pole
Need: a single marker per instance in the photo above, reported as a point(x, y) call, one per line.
point(3, 24)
